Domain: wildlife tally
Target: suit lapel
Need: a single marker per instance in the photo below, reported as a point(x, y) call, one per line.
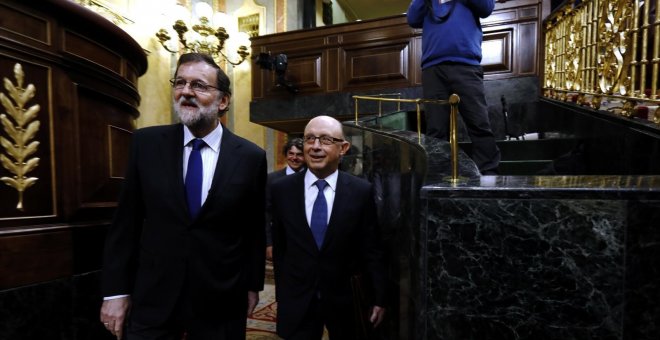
point(298, 207)
point(228, 160)
point(173, 160)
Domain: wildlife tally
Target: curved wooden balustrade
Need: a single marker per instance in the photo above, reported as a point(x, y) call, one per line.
point(72, 101)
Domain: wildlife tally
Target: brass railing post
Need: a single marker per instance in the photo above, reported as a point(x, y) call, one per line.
point(419, 122)
point(454, 99)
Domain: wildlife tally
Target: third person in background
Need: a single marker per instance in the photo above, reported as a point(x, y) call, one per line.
point(451, 63)
point(295, 161)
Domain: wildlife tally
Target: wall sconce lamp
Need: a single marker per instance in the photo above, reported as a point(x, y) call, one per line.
point(204, 38)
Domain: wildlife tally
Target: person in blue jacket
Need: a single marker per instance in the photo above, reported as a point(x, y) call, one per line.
point(451, 63)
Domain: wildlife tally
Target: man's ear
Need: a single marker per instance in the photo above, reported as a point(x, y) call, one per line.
point(224, 103)
point(345, 146)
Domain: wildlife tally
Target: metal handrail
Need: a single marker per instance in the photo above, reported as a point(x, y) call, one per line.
point(453, 101)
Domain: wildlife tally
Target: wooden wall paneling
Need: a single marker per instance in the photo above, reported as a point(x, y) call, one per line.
point(401, 32)
point(302, 45)
point(334, 44)
point(386, 53)
point(498, 47)
point(28, 28)
point(505, 16)
point(304, 71)
point(333, 78)
point(415, 52)
point(531, 12)
point(98, 55)
point(376, 55)
point(528, 35)
point(33, 258)
point(104, 134)
point(66, 131)
point(510, 42)
point(382, 66)
point(85, 70)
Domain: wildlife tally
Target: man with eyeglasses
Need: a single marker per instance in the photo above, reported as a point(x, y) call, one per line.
point(181, 257)
point(326, 244)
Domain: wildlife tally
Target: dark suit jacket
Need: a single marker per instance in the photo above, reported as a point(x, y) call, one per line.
point(271, 177)
point(154, 250)
point(351, 246)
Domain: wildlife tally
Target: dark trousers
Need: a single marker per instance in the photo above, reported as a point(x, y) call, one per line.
point(183, 321)
point(194, 330)
point(340, 324)
point(442, 80)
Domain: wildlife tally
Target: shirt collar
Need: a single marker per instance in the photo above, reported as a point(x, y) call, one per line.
point(310, 178)
point(290, 171)
point(212, 139)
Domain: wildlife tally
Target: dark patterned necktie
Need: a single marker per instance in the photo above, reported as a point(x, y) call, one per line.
point(194, 177)
point(319, 220)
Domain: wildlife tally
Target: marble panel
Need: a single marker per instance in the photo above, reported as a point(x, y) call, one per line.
point(522, 269)
point(563, 257)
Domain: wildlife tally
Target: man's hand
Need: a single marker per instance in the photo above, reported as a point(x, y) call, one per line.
point(114, 313)
point(269, 253)
point(377, 315)
point(253, 299)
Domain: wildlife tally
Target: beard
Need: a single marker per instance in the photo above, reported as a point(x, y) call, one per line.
point(196, 117)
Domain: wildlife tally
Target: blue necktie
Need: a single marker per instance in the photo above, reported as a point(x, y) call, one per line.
point(194, 177)
point(319, 220)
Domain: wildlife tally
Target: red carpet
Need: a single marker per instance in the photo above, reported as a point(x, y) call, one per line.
point(261, 325)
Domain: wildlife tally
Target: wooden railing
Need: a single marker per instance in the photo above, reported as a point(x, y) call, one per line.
point(605, 54)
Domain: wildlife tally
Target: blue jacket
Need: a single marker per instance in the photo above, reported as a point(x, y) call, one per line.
point(452, 33)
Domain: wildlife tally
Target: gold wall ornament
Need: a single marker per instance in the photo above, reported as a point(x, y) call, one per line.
point(595, 102)
point(628, 108)
point(22, 128)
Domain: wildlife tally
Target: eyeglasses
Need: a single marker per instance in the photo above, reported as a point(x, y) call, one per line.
point(195, 85)
point(325, 140)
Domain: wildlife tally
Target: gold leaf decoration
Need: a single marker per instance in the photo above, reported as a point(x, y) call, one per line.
point(614, 32)
point(21, 129)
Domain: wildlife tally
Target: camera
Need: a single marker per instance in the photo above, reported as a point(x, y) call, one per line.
point(279, 64)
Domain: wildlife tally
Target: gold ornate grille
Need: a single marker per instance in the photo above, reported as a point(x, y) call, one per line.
point(605, 54)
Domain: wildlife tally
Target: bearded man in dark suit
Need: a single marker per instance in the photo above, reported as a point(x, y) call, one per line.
point(325, 234)
point(181, 257)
